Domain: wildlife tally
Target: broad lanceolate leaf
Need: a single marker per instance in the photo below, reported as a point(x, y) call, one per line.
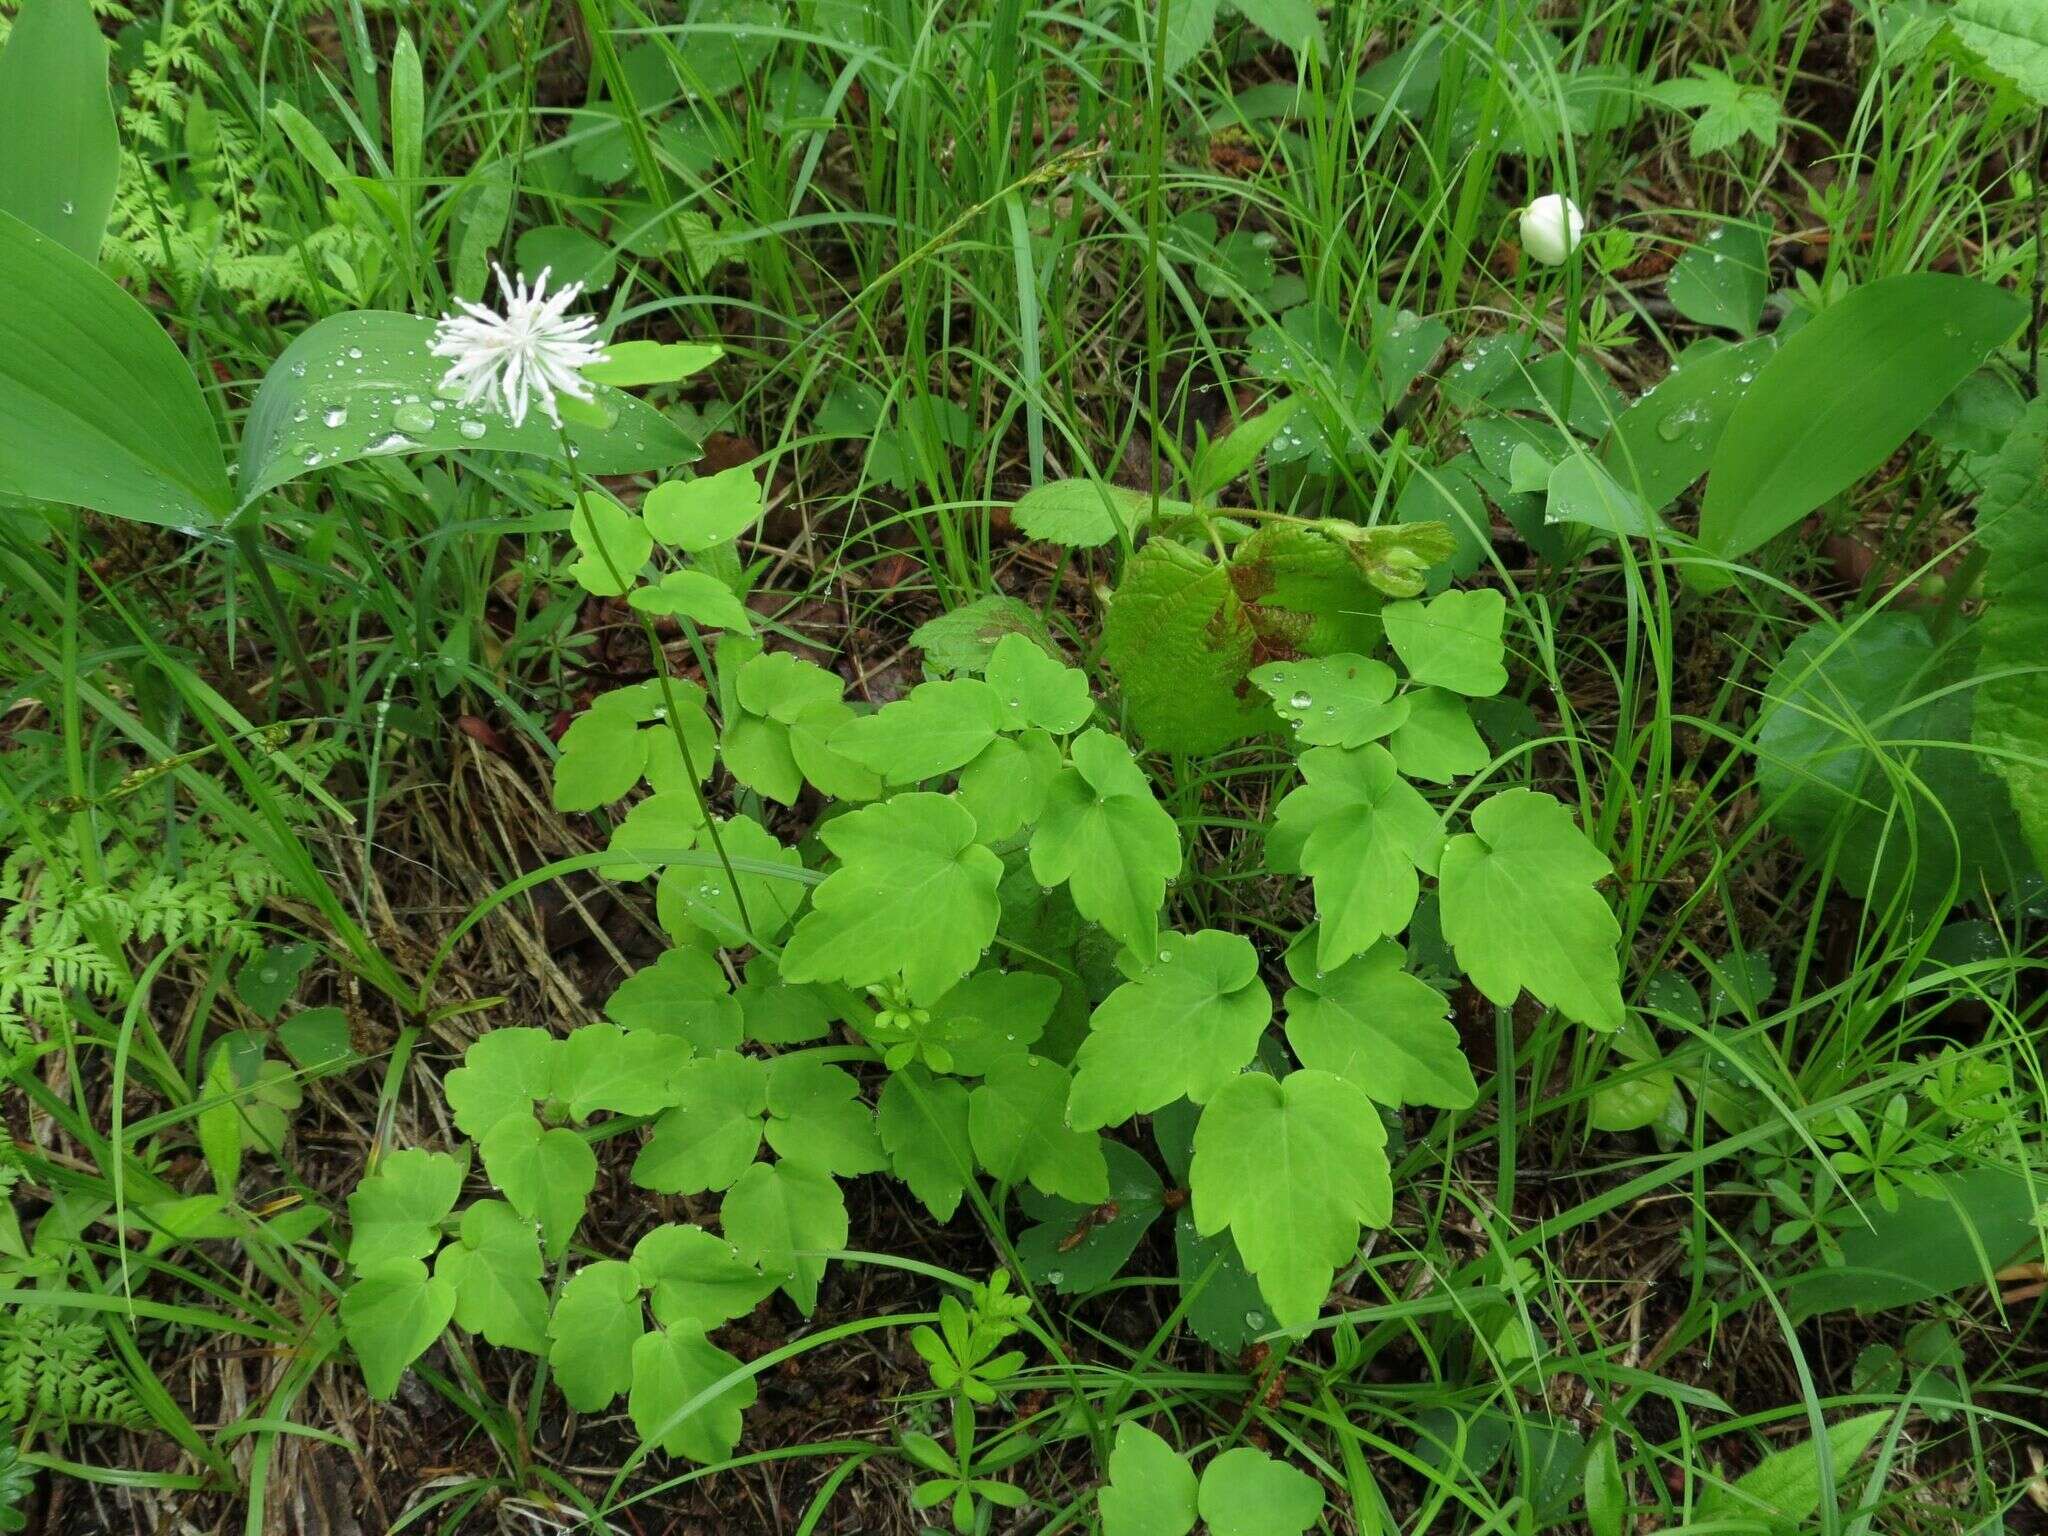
point(1452, 641)
point(1291, 1167)
point(364, 384)
point(1017, 1121)
point(1183, 1027)
point(1842, 394)
point(1389, 1032)
point(392, 1315)
point(1666, 438)
point(672, 1367)
point(2011, 719)
point(1520, 909)
point(98, 407)
point(1104, 833)
point(1151, 1489)
point(914, 893)
point(1785, 1490)
point(496, 1270)
point(1365, 833)
point(780, 1216)
point(57, 122)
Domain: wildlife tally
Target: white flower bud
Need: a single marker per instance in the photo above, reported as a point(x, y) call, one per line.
point(1552, 227)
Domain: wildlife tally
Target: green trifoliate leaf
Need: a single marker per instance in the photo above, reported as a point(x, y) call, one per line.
point(816, 1118)
point(660, 827)
point(546, 1174)
point(1185, 1025)
point(829, 770)
point(602, 1067)
point(392, 1315)
point(396, 1213)
point(671, 1368)
point(695, 595)
point(784, 688)
point(596, 1323)
point(1005, 787)
point(1452, 641)
point(1520, 909)
point(696, 902)
point(503, 1074)
point(1365, 831)
point(693, 515)
point(1032, 689)
point(1245, 1492)
point(1334, 701)
point(626, 735)
point(1372, 1022)
point(914, 893)
point(1292, 1167)
point(1151, 1490)
point(781, 1216)
point(779, 1013)
point(712, 1134)
point(636, 364)
point(923, 1121)
point(935, 729)
point(1017, 1122)
point(691, 1276)
point(496, 1270)
point(1104, 834)
point(612, 542)
point(1437, 742)
point(780, 722)
point(683, 996)
point(756, 751)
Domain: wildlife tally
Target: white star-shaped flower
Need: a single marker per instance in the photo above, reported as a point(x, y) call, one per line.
point(535, 350)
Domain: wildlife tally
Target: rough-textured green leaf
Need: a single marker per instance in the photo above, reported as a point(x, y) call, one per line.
point(671, 1367)
point(1245, 1492)
point(1389, 1032)
point(1520, 909)
point(1723, 280)
point(496, 1269)
point(1180, 643)
point(1291, 1167)
point(1109, 839)
point(1333, 701)
point(964, 639)
point(364, 383)
point(1842, 394)
point(2009, 35)
point(691, 1276)
point(1084, 513)
point(595, 1324)
point(98, 407)
point(1452, 641)
point(1785, 1488)
point(923, 1121)
point(1151, 1490)
point(1182, 1027)
point(914, 894)
point(1365, 833)
point(782, 1216)
point(396, 1213)
point(392, 1315)
point(57, 122)
point(2010, 719)
point(1017, 1121)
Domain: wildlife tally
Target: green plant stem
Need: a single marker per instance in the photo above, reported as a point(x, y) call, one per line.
point(250, 543)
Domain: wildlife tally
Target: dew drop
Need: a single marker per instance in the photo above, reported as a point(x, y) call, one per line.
point(413, 418)
point(1299, 700)
point(355, 354)
point(472, 430)
point(1055, 1276)
point(338, 417)
point(1255, 1320)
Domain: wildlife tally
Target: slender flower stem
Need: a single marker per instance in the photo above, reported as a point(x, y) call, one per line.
point(670, 711)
